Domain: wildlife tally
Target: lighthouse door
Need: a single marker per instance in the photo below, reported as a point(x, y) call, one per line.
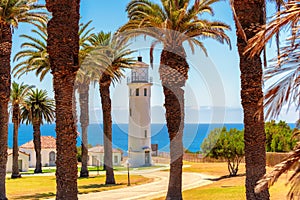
point(147, 157)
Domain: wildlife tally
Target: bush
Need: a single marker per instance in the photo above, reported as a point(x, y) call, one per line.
point(228, 145)
point(279, 137)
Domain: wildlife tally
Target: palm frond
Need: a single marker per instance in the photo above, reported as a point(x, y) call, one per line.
point(288, 17)
point(173, 22)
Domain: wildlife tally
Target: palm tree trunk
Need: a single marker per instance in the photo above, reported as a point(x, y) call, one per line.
point(37, 145)
point(63, 47)
point(16, 122)
point(173, 73)
point(251, 12)
point(84, 121)
point(5, 79)
point(104, 83)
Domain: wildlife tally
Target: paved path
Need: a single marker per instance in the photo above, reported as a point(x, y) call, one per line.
point(157, 188)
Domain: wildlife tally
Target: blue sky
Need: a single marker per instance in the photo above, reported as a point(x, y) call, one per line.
point(214, 81)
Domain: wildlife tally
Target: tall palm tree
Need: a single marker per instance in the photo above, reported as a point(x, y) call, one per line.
point(112, 52)
point(38, 108)
point(17, 98)
point(82, 85)
point(63, 50)
point(34, 57)
point(172, 23)
point(247, 14)
point(12, 12)
point(285, 89)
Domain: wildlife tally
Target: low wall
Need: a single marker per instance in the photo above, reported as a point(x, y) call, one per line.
point(272, 158)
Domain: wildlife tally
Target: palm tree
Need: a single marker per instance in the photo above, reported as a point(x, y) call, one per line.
point(17, 97)
point(38, 108)
point(285, 90)
point(34, 57)
point(113, 55)
point(246, 14)
point(82, 85)
point(12, 12)
point(172, 23)
point(63, 50)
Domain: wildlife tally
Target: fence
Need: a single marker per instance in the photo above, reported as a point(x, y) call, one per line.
point(272, 158)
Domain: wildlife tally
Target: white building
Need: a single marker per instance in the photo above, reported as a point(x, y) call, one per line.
point(48, 151)
point(96, 156)
point(139, 130)
point(23, 161)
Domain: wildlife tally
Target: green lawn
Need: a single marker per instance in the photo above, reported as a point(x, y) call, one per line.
point(227, 188)
point(41, 187)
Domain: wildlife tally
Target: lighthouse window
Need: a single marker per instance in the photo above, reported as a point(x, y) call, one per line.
point(145, 133)
point(145, 92)
point(137, 92)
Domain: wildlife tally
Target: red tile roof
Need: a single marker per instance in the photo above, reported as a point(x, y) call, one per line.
point(100, 149)
point(47, 142)
point(10, 152)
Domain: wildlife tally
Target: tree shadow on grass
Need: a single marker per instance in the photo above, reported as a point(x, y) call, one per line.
point(37, 196)
point(85, 189)
point(224, 177)
point(94, 186)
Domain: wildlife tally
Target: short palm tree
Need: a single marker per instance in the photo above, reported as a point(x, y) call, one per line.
point(285, 90)
point(172, 23)
point(12, 12)
point(107, 59)
point(33, 56)
point(38, 108)
point(17, 98)
point(63, 50)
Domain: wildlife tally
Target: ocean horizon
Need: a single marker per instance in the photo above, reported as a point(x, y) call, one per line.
point(192, 137)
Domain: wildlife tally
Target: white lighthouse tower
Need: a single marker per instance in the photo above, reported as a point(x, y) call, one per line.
point(139, 130)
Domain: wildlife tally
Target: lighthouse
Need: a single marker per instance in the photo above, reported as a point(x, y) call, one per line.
point(139, 128)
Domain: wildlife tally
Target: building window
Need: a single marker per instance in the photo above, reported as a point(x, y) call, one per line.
point(29, 157)
point(146, 134)
point(145, 92)
point(116, 159)
point(137, 92)
point(130, 112)
point(130, 92)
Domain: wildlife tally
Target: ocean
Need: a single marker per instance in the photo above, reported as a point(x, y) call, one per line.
point(192, 138)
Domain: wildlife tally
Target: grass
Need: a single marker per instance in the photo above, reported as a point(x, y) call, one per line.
point(45, 170)
point(91, 169)
point(214, 169)
point(227, 188)
point(41, 187)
